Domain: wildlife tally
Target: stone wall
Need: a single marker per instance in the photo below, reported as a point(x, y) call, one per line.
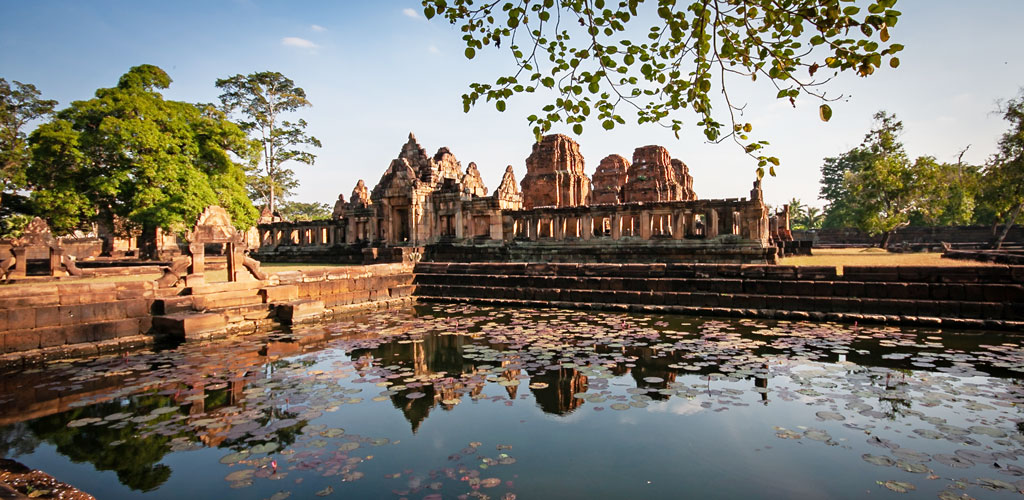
point(75, 319)
point(44, 322)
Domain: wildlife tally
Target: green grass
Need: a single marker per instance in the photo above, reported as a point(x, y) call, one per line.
point(840, 257)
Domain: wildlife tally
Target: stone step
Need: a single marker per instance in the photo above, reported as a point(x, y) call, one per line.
point(297, 311)
point(189, 326)
point(227, 299)
point(904, 307)
point(905, 274)
point(225, 286)
point(935, 291)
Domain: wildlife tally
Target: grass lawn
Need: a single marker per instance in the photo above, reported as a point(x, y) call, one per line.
point(840, 257)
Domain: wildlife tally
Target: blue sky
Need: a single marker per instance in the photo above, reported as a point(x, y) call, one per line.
point(376, 71)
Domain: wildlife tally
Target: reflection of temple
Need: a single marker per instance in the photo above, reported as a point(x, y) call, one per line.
point(430, 201)
point(557, 398)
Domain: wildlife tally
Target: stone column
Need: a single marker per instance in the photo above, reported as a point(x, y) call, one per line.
point(55, 261)
point(711, 224)
point(588, 226)
point(678, 225)
point(458, 224)
point(558, 227)
point(616, 226)
point(645, 224)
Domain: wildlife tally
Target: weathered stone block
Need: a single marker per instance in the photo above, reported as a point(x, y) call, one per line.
point(21, 319)
point(52, 336)
point(20, 340)
point(47, 317)
point(296, 310)
point(189, 325)
point(279, 293)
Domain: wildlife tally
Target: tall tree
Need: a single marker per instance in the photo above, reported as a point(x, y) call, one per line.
point(264, 99)
point(658, 60)
point(885, 192)
point(1004, 174)
point(129, 153)
point(19, 104)
point(841, 207)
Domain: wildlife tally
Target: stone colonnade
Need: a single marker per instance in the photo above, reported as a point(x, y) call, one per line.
point(703, 219)
point(460, 221)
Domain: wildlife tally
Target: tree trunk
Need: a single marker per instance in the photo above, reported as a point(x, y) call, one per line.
point(147, 243)
point(272, 200)
point(1009, 224)
point(885, 240)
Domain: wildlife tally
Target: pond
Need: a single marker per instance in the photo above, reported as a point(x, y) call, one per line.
point(460, 401)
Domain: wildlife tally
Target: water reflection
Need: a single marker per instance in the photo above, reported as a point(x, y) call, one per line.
point(265, 398)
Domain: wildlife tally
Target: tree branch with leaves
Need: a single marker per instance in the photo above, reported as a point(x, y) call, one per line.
point(580, 50)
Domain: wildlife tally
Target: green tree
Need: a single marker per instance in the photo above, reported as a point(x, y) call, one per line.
point(582, 49)
point(841, 207)
point(812, 218)
point(297, 210)
point(796, 212)
point(130, 153)
point(947, 193)
point(19, 104)
point(885, 192)
point(1004, 175)
point(263, 99)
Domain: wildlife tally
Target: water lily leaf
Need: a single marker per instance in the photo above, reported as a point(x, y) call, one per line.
point(240, 475)
point(234, 457)
point(877, 459)
point(899, 486)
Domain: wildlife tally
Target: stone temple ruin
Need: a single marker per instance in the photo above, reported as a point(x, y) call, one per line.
point(431, 207)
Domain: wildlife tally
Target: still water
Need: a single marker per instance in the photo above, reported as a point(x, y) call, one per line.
point(457, 401)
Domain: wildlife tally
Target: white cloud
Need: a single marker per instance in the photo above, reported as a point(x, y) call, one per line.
point(317, 27)
point(433, 49)
point(411, 13)
point(302, 43)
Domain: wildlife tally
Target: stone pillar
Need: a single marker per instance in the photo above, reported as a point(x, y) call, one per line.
point(458, 224)
point(678, 225)
point(616, 226)
point(711, 224)
point(588, 226)
point(55, 261)
point(195, 270)
point(558, 227)
point(645, 224)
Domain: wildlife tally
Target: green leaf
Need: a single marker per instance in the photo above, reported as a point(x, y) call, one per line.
point(470, 53)
point(894, 62)
point(825, 112)
point(577, 129)
point(500, 105)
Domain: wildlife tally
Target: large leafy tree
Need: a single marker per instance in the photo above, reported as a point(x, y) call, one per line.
point(658, 58)
point(264, 100)
point(20, 103)
point(885, 192)
point(841, 207)
point(130, 153)
point(1003, 183)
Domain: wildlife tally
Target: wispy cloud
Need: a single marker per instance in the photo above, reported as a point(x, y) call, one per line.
point(411, 13)
point(302, 43)
point(317, 27)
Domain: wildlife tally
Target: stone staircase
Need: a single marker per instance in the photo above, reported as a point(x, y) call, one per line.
point(223, 308)
point(968, 297)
